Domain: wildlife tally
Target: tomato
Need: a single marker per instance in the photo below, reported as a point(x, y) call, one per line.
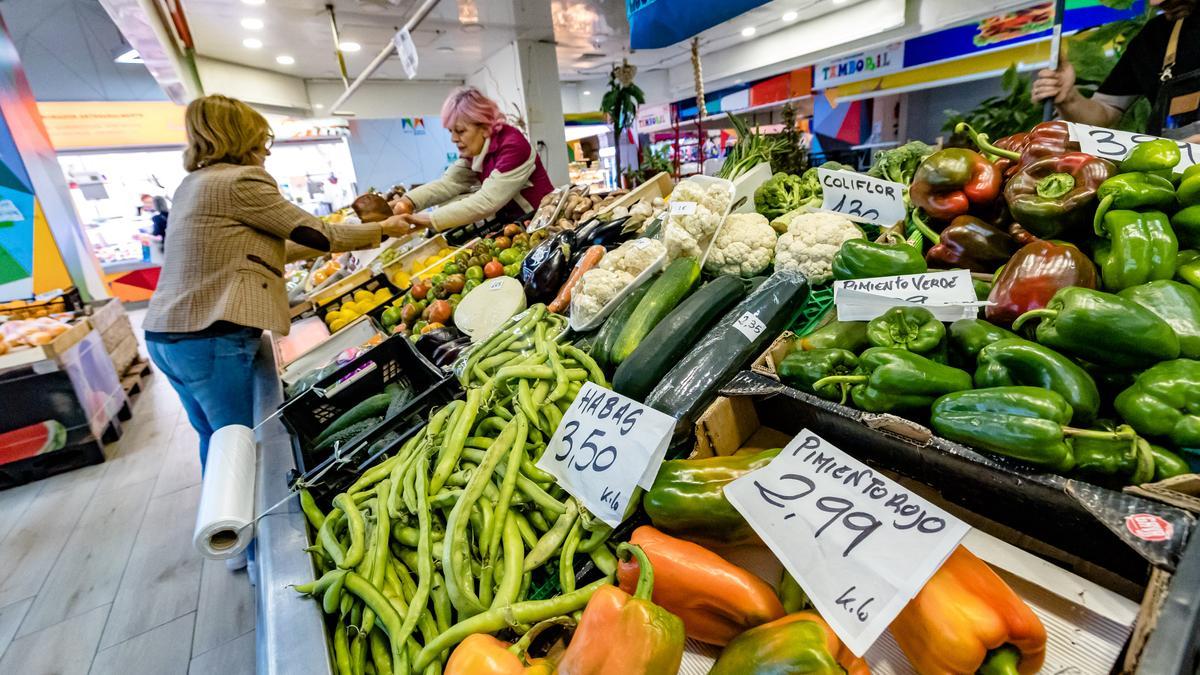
point(510, 255)
point(512, 230)
point(503, 242)
point(493, 269)
point(439, 312)
point(420, 290)
point(475, 273)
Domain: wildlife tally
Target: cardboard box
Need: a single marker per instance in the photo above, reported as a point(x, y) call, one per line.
point(1093, 590)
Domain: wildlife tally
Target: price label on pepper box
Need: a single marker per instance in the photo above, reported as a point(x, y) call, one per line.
point(950, 296)
point(1115, 145)
point(858, 543)
point(606, 446)
point(862, 198)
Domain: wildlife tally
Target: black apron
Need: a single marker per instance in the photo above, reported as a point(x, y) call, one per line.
point(1176, 111)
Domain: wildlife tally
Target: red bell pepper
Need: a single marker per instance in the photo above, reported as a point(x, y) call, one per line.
point(1033, 275)
point(951, 182)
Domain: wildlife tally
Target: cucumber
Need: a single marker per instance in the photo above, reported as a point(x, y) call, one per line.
point(374, 406)
point(667, 291)
point(687, 389)
point(603, 342)
point(349, 433)
point(674, 335)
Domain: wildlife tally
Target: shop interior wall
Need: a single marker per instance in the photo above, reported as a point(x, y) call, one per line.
point(927, 108)
point(407, 151)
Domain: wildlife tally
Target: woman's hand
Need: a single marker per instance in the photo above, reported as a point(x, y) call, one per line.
point(396, 226)
point(402, 206)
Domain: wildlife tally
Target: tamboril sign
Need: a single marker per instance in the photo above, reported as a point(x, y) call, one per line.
point(860, 66)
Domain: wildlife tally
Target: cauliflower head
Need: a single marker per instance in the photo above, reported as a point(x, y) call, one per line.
point(681, 243)
point(745, 246)
point(811, 242)
point(596, 288)
point(633, 256)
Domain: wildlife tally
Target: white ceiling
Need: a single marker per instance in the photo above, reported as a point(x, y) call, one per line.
point(455, 38)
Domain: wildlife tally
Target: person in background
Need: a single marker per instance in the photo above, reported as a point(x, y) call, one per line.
point(222, 279)
point(497, 169)
point(158, 222)
point(1161, 63)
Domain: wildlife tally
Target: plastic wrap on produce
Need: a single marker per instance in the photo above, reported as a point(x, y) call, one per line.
point(226, 513)
point(517, 336)
point(746, 330)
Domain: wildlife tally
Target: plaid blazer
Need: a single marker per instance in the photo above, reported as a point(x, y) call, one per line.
point(227, 245)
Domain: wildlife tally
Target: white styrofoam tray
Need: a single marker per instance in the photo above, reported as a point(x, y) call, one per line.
point(578, 324)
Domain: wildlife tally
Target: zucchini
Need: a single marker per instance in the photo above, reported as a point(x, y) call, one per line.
point(603, 342)
point(667, 291)
point(687, 389)
point(373, 406)
point(673, 336)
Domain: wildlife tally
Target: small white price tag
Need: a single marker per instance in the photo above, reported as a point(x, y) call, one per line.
point(750, 325)
point(683, 208)
point(1116, 145)
point(858, 543)
point(862, 198)
point(948, 295)
point(407, 52)
point(606, 446)
point(495, 284)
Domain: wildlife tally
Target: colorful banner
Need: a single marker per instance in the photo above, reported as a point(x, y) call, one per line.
point(793, 84)
point(860, 66)
point(662, 23)
point(112, 124)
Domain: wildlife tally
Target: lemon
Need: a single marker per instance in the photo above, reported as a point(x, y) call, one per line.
point(351, 313)
point(363, 295)
point(402, 279)
point(381, 295)
point(333, 316)
point(337, 325)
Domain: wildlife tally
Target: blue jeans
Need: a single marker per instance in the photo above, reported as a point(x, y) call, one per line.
point(214, 377)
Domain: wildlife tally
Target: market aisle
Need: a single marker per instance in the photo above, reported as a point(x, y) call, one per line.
point(99, 572)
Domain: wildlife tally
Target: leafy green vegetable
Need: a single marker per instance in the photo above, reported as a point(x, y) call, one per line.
point(751, 149)
point(899, 164)
point(786, 192)
point(1000, 116)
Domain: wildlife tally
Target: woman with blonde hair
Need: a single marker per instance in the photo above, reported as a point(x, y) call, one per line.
point(222, 279)
point(497, 169)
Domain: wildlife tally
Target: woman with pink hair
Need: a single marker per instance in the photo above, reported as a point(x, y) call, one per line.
point(497, 172)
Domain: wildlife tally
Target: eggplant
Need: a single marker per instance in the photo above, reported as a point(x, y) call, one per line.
point(547, 267)
point(448, 352)
point(429, 342)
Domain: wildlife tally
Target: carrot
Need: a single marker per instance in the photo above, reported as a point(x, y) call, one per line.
point(587, 261)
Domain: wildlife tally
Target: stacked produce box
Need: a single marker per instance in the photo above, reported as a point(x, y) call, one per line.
point(448, 546)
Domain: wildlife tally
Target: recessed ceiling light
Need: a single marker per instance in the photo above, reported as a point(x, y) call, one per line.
point(284, 60)
point(347, 46)
point(318, 106)
point(251, 23)
point(790, 16)
point(586, 92)
point(839, 2)
point(252, 43)
point(749, 31)
point(254, 2)
point(445, 49)
point(472, 27)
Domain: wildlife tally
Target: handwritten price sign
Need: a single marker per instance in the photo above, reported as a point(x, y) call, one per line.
point(605, 447)
point(862, 198)
point(948, 295)
point(860, 544)
point(1116, 145)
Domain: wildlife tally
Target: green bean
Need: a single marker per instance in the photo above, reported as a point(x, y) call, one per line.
point(410, 536)
point(328, 537)
point(445, 498)
point(595, 374)
point(479, 442)
point(379, 653)
point(379, 549)
point(333, 595)
point(424, 558)
point(525, 399)
point(530, 489)
point(395, 498)
point(357, 528)
point(374, 474)
point(311, 511)
point(375, 600)
point(452, 447)
point(576, 374)
point(442, 610)
point(455, 551)
point(408, 493)
point(553, 418)
point(550, 542)
point(341, 649)
point(491, 424)
point(540, 391)
point(560, 376)
point(319, 586)
point(566, 558)
point(532, 372)
point(528, 612)
point(530, 470)
point(514, 559)
point(439, 418)
point(528, 536)
point(507, 487)
point(503, 412)
point(598, 536)
point(497, 359)
point(358, 654)
point(539, 521)
point(539, 339)
point(604, 559)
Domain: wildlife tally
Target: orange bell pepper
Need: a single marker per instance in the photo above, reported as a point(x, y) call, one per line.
point(966, 619)
point(798, 643)
point(482, 654)
point(716, 599)
point(625, 634)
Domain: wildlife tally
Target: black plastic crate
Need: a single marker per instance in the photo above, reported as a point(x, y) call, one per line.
point(307, 415)
point(459, 236)
point(72, 457)
point(331, 474)
point(370, 285)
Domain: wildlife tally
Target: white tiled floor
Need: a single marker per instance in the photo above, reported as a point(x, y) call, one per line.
point(97, 569)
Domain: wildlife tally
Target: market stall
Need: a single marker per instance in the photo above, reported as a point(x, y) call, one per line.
point(827, 408)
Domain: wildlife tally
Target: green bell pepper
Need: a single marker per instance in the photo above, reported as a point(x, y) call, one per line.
point(1157, 155)
point(688, 499)
point(1187, 267)
point(1186, 223)
point(1133, 191)
point(911, 328)
point(797, 644)
point(1102, 328)
point(969, 336)
point(801, 369)
point(1164, 401)
point(1167, 464)
point(897, 380)
point(1143, 248)
point(1188, 191)
point(1135, 463)
point(1025, 423)
point(1021, 362)
point(1177, 304)
point(861, 259)
point(850, 335)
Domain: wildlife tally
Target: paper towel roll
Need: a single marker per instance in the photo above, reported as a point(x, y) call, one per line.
point(227, 494)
